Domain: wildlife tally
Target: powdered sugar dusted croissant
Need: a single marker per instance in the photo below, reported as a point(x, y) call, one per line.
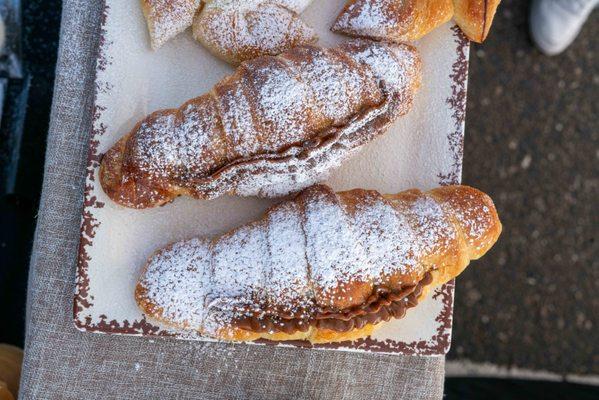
point(321, 267)
point(276, 126)
point(167, 18)
point(239, 30)
point(234, 30)
point(403, 20)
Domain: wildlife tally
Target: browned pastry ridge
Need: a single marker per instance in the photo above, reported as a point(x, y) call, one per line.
point(322, 267)
point(405, 20)
point(276, 126)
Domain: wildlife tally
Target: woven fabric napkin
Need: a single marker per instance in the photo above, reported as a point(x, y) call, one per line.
point(63, 363)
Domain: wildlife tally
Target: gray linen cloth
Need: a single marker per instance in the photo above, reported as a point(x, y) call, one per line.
point(63, 363)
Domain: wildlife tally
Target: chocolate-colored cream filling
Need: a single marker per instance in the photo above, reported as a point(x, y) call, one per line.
point(381, 306)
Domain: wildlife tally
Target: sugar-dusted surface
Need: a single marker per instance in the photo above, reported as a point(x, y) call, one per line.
point(393, 20)
point(414, 152)
point(330, 239)
point(272, 122)
point(432, 223)
point(376, 18)
point(168, 18)
point(182, 286)
point(238, 30)
point(237, 25)
point(386, 236)
point(288, 277)
point(293, 5)
point(330, 254)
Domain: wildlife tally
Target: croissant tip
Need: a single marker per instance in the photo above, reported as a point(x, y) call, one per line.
point(125, 190)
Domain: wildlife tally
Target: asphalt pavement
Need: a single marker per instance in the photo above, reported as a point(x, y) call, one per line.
point(532, 131)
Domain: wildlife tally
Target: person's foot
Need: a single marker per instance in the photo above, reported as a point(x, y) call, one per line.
point(554, 24)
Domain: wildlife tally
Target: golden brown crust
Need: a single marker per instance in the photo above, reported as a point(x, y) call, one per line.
point(475, 17)
point(314, 335)
point(465, 226)
point(129, 188)
point(405, 20)
point(393, 20)
point(275, 126)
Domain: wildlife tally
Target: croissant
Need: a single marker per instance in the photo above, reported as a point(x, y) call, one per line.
point(404, 20)
point(276, 126)
point(241, 30)
point(167, 18)
point(322, 267)
point(233, 30)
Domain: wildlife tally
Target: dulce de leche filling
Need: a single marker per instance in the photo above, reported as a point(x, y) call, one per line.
point(381, 306)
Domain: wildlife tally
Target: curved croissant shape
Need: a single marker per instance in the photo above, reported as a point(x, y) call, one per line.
point(322, 267)
point(276, 126)
point(240, 30)
point(404, 20)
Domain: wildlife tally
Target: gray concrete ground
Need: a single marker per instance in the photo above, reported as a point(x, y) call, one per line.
point(532, 135)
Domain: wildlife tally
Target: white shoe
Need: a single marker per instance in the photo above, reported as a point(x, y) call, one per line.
point(554, 24)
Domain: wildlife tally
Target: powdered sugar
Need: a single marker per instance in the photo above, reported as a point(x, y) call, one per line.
point(393, 20)
point(237, 30)
point(280, 104)
point(238, 267)
point(168, 18)
point(177, 280)
point(386, 236)
point(336, 87)
point(330, 243)
point(297, 167)
point(235, 111)
point(302, 249)
point(231, 25)
point(161, 144)
point(393, 65)
point(244, 5)
point(374, 18)
point(275, 127)
point(432, 226)
point(288, 275)
point(473, 223)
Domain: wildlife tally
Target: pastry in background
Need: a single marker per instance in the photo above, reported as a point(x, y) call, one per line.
point(405, 20)
point(239, 30)
point(276, 126)
point(323, 267)
point(168, 18)
point(11, 359)
point(233, 30)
